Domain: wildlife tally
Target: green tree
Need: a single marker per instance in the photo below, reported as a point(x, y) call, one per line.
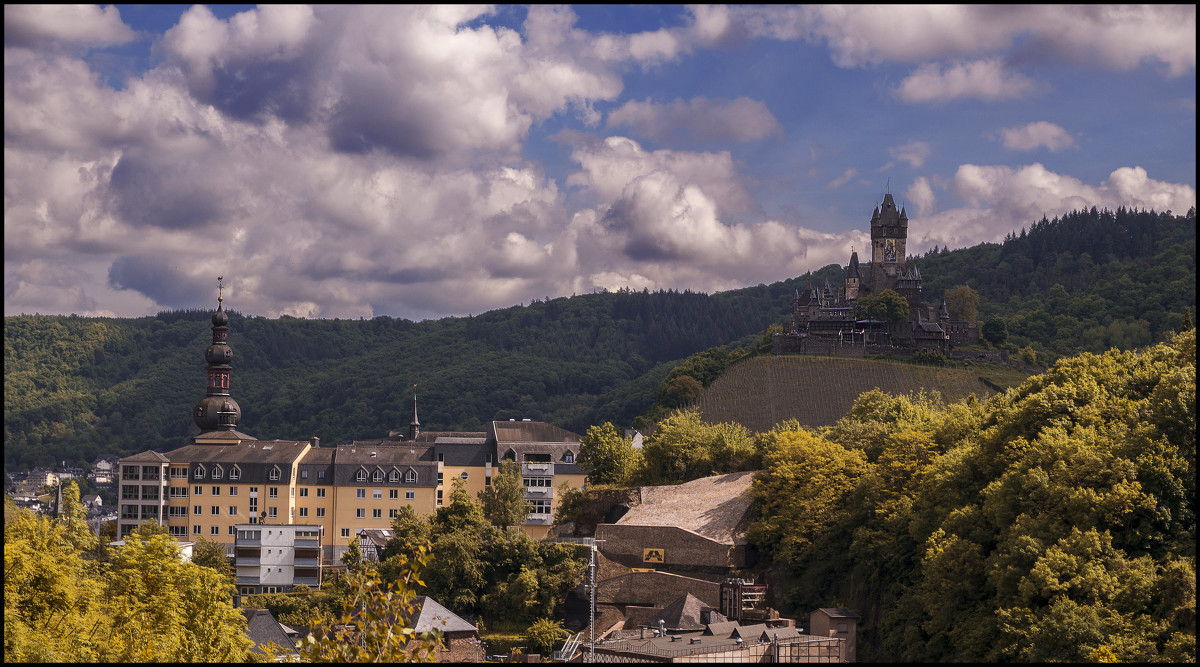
point(962, 302)
point(887, 306)
point(994, 330)
point(503, 501)
point(376, 623)
point(608, 456)
point(684, 448)
point(353, 558)
point(543, 634)
point(210, 554)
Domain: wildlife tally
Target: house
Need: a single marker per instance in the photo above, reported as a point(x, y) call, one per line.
point(371, 542)
point(275, 558)
point(720, 642)
point(264, 630)
point(460, 638)
point(92, 501)
point(841, 623)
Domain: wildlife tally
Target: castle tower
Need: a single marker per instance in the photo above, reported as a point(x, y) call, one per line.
point(217, 411)
point(853, 278)
point(889, 235)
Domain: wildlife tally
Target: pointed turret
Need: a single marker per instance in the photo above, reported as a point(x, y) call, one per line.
point(943, 312)
point(217, 411)
point(414, 426)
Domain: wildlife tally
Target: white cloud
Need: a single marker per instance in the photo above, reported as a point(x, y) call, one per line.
point(843, 179)
point(41, 26)
point(921, 194)
point(698, 120)
point(982, 79)
point(1036, 135)
point(1002, 199)
point(914, 153)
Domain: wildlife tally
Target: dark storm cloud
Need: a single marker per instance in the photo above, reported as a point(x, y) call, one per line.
point(159, 190)
point(158, 277)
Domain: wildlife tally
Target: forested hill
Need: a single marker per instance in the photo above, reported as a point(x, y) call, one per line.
point(78, 387)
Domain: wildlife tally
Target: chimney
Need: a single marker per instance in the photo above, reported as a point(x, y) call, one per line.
point(314, 441)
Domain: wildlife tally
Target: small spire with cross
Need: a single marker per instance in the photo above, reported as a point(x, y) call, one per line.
point(220, 289)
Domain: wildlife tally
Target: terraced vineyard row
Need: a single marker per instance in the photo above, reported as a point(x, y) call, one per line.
point(817, 391)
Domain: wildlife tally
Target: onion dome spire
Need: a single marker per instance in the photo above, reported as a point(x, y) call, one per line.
point(217, 411)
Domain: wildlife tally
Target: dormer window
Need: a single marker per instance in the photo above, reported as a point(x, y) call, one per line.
point(275, 472)
point(198, 472)
point(361, 476)
point(410, 477)
point(377, 476)
point(235, 472)
point(217, 472)
point(569, 457)
point(394, 476)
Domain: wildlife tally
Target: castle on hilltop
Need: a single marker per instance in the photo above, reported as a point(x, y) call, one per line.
point(824, 321)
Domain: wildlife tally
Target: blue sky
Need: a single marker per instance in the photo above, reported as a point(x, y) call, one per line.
point(425, 161)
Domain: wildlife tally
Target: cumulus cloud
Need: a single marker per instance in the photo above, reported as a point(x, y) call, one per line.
point(698, 120)
point(921, 194)
point(982, 79)
point(42, 26)
point(1032, 136)
point(1117, 37)
point(914, 153)
point(1001, 199)
point(845, 178)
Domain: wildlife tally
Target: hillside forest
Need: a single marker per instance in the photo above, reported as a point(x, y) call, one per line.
point(79, 387)
point(1053, 522)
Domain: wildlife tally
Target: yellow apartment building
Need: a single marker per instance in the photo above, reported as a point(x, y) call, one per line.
point(227, 478)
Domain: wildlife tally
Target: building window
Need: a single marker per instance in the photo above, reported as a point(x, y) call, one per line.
point(233, 510)
point(320, 474)
point(360, 513)
point(233, 490)
point(539, 507)
point(393, 494)
point(393, 513)
point(394, 476)
point(197, 490)
point(439, 496)
point(303, 474)
point(129, 512)
point(377, 476)
point(179, 531)
point(538, 481)
point(129, 472)
point(217, 472)
point(439, 478)
point(569, 457)
point(129, 492)
point(198, 472)
point(178, 473)
point(345, 532)
point(215, 530)
point(409, 495)
point(376, 514)
point(320, 493)
point(216, 490)
point(272, 513)
point(377, 494)
point(149, 512)
point(360, 493)
point(235, 473)
point(232, 530)
point(177, 512)
point(410, 476)
point(149, 472)
point(216, 511)
point(274, 473)
point(842, 628)
point(196, 529)
point(303, 512)
point(197, 510)
point(361, 476)
point(304, 492)
point(179, 492)
point(320, 512)
point(273, 492)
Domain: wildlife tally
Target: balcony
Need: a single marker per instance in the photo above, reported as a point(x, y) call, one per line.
point(539, 520)
point(314, 582)
point(247, 561)
point(537, 468)
point(306, 562)
point(247, 581)
point(300, 544)
point(539, 492)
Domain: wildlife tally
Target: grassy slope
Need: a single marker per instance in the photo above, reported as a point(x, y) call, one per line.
point(817, 391)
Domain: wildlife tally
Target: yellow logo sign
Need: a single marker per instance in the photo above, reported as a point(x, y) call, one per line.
point(652, 555)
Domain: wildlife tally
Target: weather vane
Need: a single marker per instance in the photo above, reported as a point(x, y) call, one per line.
point(220, 288)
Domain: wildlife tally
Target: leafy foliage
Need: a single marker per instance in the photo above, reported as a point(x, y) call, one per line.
point(1053, 522)
point(608, 456)
point(503, 501)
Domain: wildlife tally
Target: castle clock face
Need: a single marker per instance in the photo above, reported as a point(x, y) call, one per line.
point(889, 250)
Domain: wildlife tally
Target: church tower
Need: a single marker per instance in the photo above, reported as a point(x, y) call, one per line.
point(889, 234)
point(217, 411)
point(853, 278)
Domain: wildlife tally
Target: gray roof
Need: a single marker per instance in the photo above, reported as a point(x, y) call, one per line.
point(716, 507)
point(262, 628)
point(384, 456)
point(144, 457)
point(838, 612)
point(255, 458)
point(513, 432)
point(432, 615)
point(682, 614)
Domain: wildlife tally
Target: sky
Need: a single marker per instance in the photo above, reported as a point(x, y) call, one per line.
point(430, 161)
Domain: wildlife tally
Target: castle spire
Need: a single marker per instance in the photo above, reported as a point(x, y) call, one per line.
point(217, 411)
